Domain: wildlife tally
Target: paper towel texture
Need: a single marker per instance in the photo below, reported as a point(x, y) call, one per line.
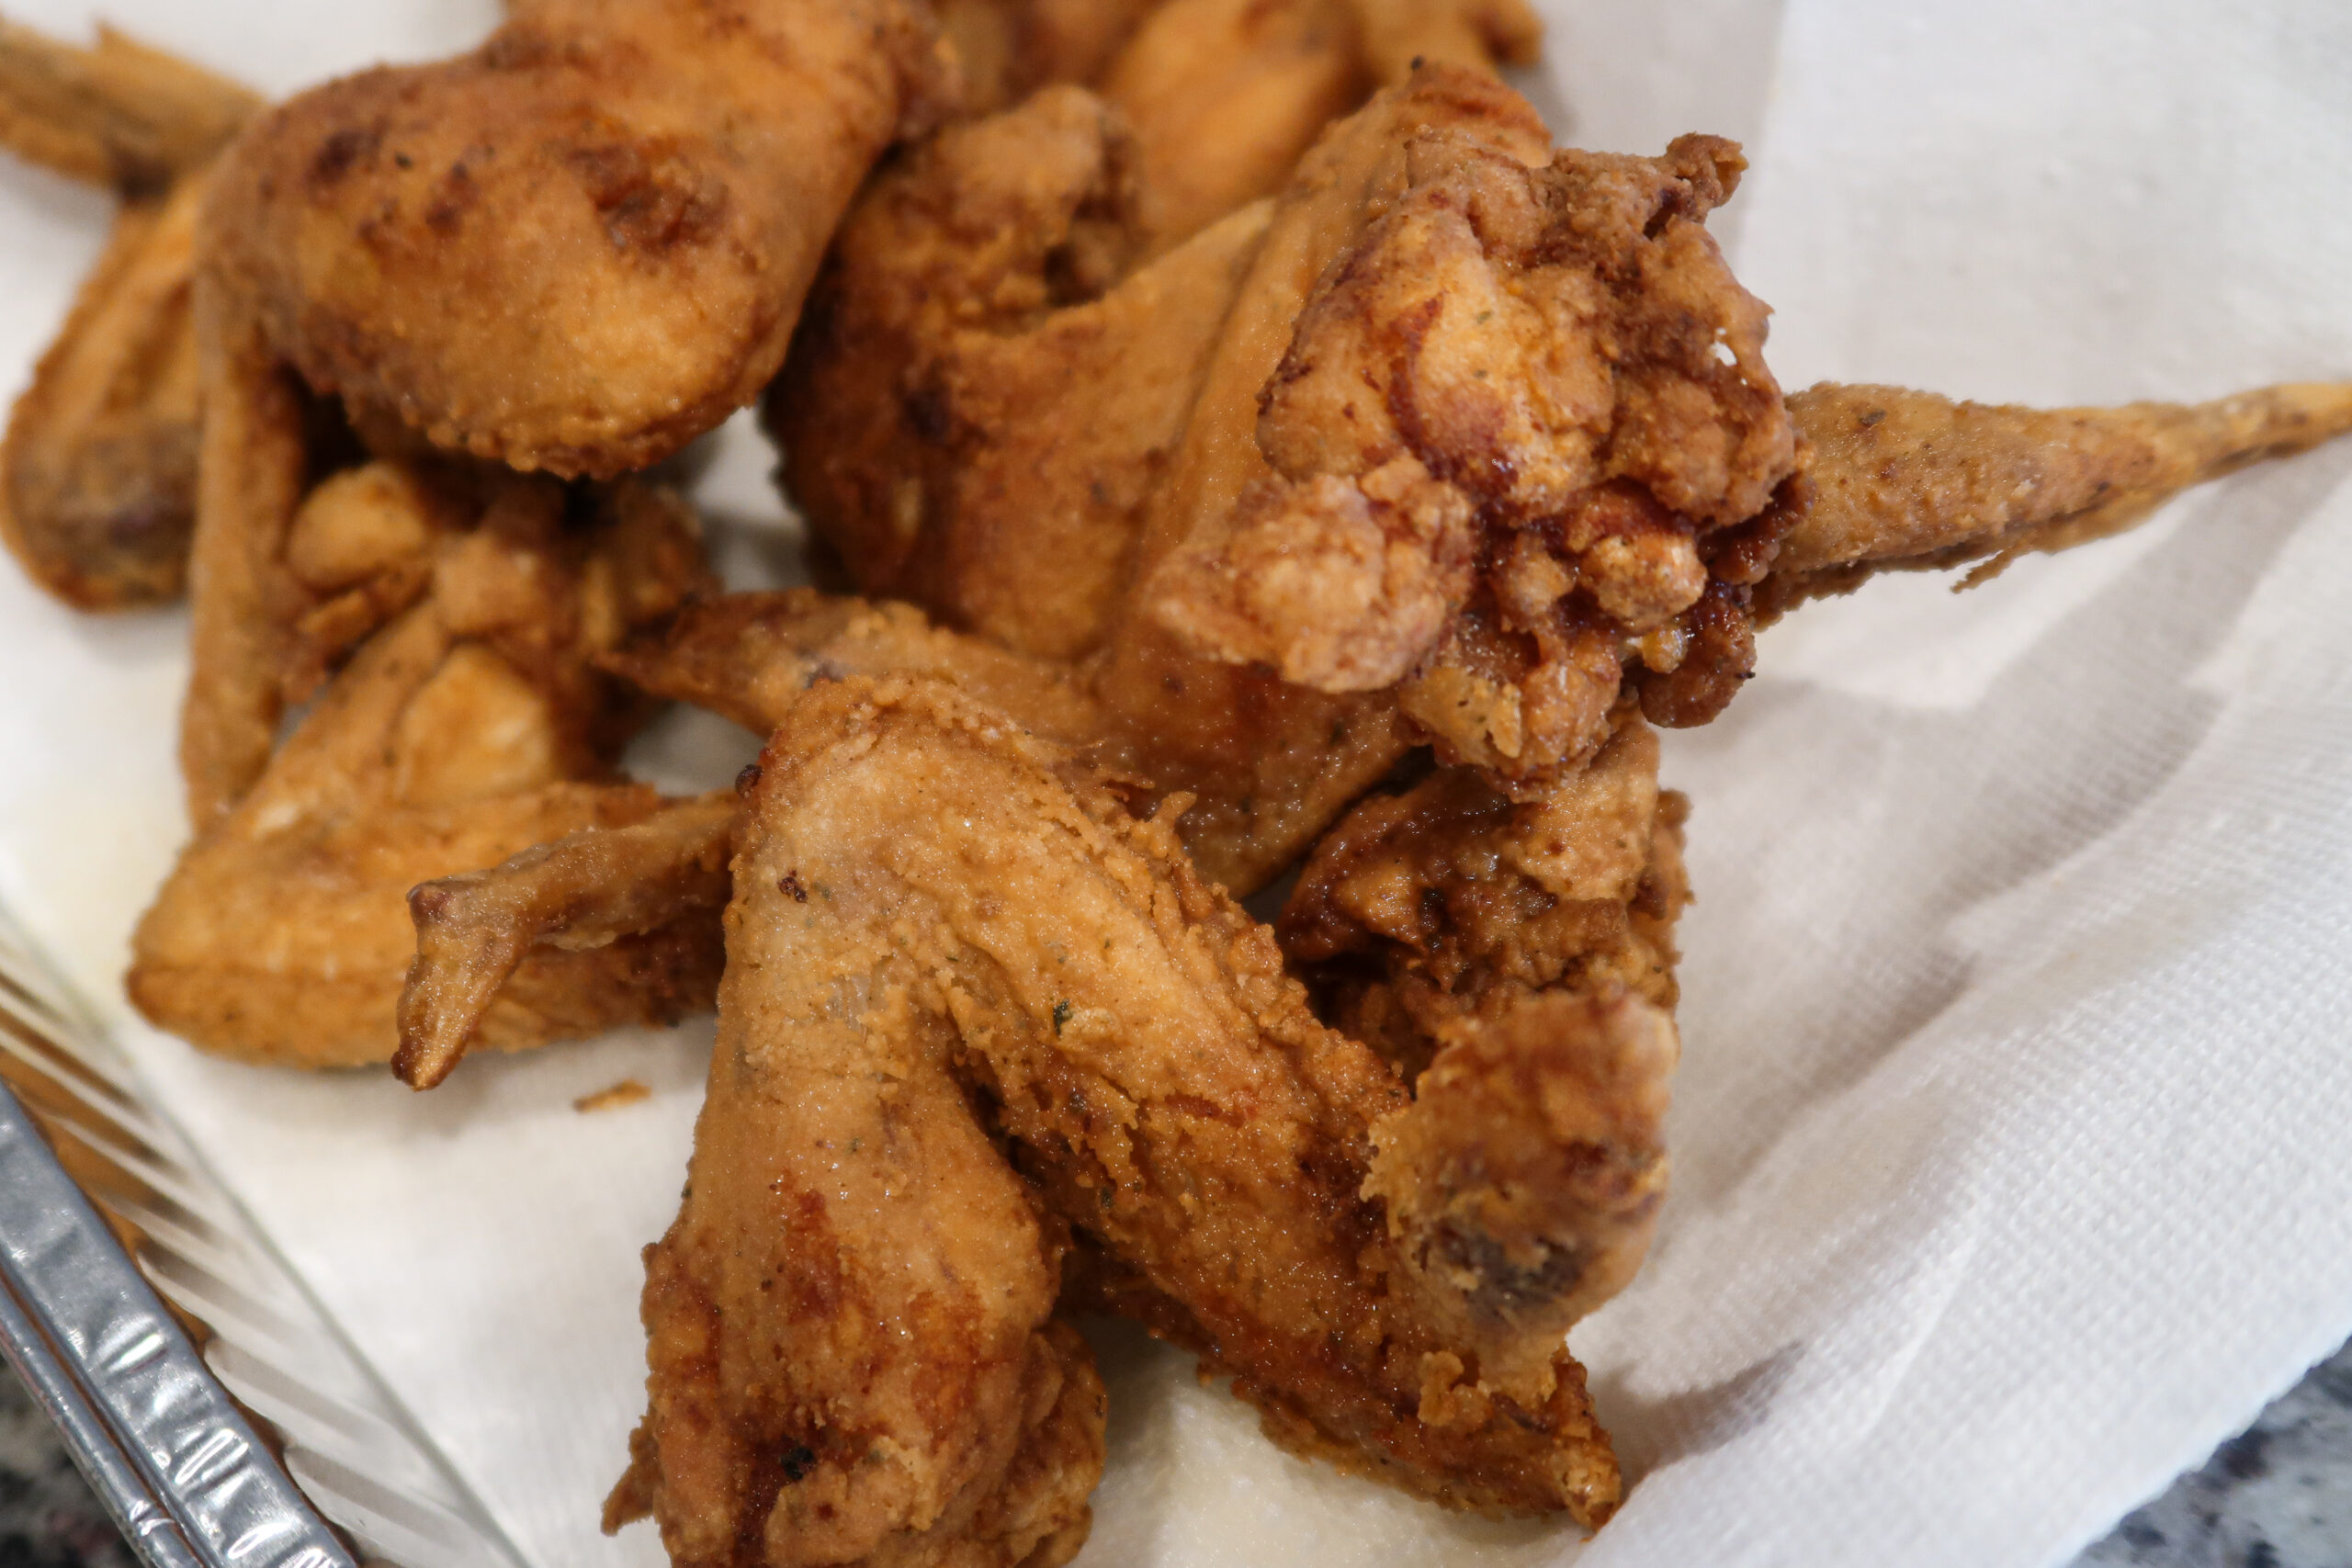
point(2010, 1136)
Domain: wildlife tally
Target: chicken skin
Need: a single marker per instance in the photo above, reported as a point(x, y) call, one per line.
point(98, 475)
point(469, 729)
point(852, 1353)
point(583, 244)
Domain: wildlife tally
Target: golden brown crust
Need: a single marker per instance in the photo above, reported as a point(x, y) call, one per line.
point(851, 1357)
point(466, 731)
point(1500, 437)
point(1483, 943)
point(1168, 1087)
point(97, 478)
point(119, 113)
point(583, 244)
point(577, 893)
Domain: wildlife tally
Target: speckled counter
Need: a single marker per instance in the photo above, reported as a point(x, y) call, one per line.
point(48, 1518)
point(2279, 1496)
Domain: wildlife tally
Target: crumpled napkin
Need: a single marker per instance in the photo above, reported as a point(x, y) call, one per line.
point(2011, 1167)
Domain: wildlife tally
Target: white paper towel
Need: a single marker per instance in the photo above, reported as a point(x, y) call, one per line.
point(2010, 1136)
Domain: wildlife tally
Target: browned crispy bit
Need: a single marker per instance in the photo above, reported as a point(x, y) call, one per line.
point(579, 893)
point(118, 113)
point(1485, 945)
point(1509, 430)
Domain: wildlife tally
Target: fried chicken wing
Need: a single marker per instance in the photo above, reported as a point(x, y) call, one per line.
point(467, 730)
point(1908, 479)
point(583, 244)
point(98, 475)
point(1524, 450)
point(578, 893)
point(120, 113)
point(1297, 1218)
point(1005, 50)
point(1526, 398)
point(905, 450)
point(852, 1357)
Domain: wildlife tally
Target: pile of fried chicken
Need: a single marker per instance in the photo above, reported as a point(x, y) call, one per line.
point(1240, 445)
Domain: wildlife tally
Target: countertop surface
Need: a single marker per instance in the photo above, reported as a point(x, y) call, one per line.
point(2277, 1496)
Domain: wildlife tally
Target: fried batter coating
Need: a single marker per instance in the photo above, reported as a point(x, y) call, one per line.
point(1225, 95)
point(907, 452)
point(1526, 398)
point(852, 1357)
point(972, 440)
point(583, 244)
point(98, 476)
point(120, 114)
point(1288, 1209)
point(749, 656)
point(1905, 478)
point(1398, 36)
point(288, 576)
point(1005, 50)
point(469, 730)
point(579, 893)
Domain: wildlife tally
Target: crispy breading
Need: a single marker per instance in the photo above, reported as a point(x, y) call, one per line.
point(97, 476)
point(577, 893)
point(119, 113)
point(913, 460)
point(1225, 95)
point(470, 729)
point(1166, 1084)
point(1449, 914)
point(581, 244)
point(1005, 50)
point(1525, 399)
point(852, 1358)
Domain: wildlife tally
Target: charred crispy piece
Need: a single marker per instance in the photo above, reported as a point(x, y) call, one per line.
point(97, 478)
point(581, 245)
point(1525, 401)
point(580, 893)
point(853, 1357)
point(470, 730)
point(1263, 1179)
point(120, 114)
